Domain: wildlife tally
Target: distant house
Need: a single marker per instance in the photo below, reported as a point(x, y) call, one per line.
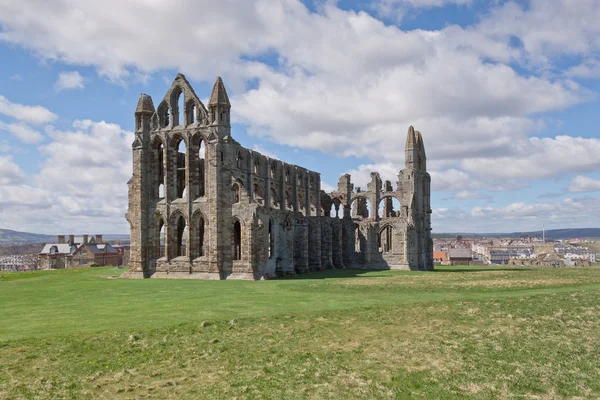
point(78, 252)
point(440, 257)
point(460, 256)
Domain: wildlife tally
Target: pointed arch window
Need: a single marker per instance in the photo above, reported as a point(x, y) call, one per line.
point(236, 240)
point(235, 193)
point(271, 234)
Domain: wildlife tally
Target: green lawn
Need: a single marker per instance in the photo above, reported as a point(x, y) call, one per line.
point(459, 332)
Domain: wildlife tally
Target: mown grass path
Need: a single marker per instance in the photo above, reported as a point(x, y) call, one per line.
point(454, 333)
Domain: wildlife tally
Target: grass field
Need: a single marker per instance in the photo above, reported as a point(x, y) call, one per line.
point(454, 333)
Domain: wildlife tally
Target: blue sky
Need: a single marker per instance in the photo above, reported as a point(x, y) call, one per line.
point(504, 93)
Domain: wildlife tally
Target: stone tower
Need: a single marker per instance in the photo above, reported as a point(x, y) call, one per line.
point(203, 206)
point(414, 182)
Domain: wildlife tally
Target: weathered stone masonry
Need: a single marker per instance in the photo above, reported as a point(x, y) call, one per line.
point(202, 206)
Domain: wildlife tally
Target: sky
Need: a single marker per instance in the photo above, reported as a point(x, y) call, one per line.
point(505, 94)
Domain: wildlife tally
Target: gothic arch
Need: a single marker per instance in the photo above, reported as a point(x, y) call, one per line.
point(237, 232)
point(164, 115)
point(381, 210)
point(361, 213)
point(199, 227)
point(176, 92)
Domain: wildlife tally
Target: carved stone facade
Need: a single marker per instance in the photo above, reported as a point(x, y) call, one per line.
point(202, 206)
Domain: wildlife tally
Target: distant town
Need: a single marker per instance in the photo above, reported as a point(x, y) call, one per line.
point(524, 251)
point(18, 253)
point(65, 251)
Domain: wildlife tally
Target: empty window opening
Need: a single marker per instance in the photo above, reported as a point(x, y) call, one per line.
point(258, 194)
point(180, 110)
point(200, 237)
point(202, 167)
point(301, 205)
point(181, 170)
point(257, 166)
point(164, 115)
point(389, 207)
point(235, 193)
point(287, 175)
point(273, 171)
point(313, 205)
point(239, 160)
point(274, 198)
point(360, 208)
point(288, 202)
point(384, 240)
point(159, 242)
point(237, 241)
point(271, 240)
point(180, 246)
point(158, 168)
point(191, 112)
point(360, 242)
point(337, 211)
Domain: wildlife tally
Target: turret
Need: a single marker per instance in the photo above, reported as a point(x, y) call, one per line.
point(143, 113)
point(219, 105)
point(411, 149)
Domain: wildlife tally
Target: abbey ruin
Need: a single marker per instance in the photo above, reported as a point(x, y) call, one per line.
point(202, 206)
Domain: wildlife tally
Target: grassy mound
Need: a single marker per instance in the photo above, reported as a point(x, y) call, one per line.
point(453, 333)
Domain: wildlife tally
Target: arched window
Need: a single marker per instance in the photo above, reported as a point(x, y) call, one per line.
point(235, 193)
point(389, 207)
point(257, 166)
point(181, 170)
point(164, 115)
point(288, 202)
point(271, 240)
point(191, 111)
point(299, 178)
point(202, 167)
point(180, 120)
point(274, 198)
point(158, 169)
point(338, 209)
point(301, 205)
point(384, 240)
point(180, 246)
point(273, 170)
point(159, 237)
point(239, 161)
point(199, 252)
point(287, 174)
point(236, 240)
point(258, 194)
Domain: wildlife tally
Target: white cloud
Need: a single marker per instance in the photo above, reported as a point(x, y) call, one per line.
point(10, 173)
point(547, 28)
point(35, 115)
point(23, 132)
point(82, 185)
point(589, 69)
point(467, 194)
point(520, 216)
point(69, 80)
point(538, 158)
point(584, 184)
